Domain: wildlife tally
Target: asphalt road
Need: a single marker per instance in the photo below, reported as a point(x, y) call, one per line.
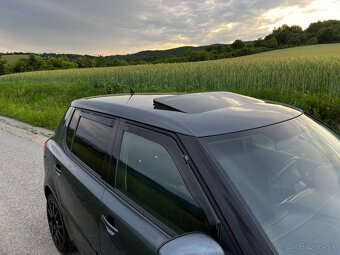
point(23, 224)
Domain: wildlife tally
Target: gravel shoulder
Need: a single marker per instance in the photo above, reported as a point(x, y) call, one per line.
point(23, 130)
point(23, 224)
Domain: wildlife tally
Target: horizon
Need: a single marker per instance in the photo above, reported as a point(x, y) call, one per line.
point(115, 28)
point(144, 50)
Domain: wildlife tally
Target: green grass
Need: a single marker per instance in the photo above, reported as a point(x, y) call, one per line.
point(307, 77)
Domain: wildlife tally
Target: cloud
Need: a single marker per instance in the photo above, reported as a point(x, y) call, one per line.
point(113, 26)
point(304, 15)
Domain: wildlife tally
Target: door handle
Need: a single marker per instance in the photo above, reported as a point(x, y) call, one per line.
point(57, 169)
point(110, 228)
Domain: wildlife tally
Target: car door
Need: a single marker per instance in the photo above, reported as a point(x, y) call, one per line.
point(148, 198)
point(79, 174)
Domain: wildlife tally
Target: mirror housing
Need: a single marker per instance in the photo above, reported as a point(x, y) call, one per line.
point(191, 244)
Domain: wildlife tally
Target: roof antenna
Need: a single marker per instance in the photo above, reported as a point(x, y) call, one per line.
point(132, 92)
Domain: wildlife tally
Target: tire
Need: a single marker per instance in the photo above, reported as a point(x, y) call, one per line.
point(57, 226)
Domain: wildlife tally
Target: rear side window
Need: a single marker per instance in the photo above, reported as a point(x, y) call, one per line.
point(148, 175)
point(90, 143)
point(71, 128)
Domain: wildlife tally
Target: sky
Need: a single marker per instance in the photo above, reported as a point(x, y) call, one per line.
point(107, 27)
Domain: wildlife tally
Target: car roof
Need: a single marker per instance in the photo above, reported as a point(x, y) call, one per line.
point(197, 114)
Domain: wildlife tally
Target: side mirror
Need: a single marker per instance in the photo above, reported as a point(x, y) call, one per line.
point(196, 243)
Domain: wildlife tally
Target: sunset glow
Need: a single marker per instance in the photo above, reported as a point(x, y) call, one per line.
point(302, 16)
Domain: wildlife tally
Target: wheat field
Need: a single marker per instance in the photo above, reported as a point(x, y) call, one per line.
point(307, 77)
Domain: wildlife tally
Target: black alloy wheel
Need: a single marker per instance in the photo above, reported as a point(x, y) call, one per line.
point(57, 227)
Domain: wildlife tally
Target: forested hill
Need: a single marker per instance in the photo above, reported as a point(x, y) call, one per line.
point(149, 55)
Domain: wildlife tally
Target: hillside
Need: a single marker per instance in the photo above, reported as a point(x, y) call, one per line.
point(320, 50)
point(309, 81)
point(149, 55)
point(13, 58)
point(146, 55)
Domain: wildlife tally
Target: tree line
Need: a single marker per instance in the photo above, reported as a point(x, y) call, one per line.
point(282, 37)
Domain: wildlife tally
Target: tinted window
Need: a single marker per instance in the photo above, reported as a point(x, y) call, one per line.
point(91, 142)
point(148, 175)
point(289, 176)
point(71, 128)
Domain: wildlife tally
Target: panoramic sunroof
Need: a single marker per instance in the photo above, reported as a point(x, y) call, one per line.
point(201, 102)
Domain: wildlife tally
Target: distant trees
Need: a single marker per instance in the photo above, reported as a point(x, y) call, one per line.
point(237, 44)
point(318, 32)
point(3, 66)
point(285, 32)
point(54, 63)
point(100, 61)
point(271, 42)
point(116, 62)
point(84, 62)
point(34, 63)
point(197, 55)
point(259, 42)
point(281, 37)
point(312, 40)
point(286, 36)
point(326, 35)
point(215, 49)
point(325, 31)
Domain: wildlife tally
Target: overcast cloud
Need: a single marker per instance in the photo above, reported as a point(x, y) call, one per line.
point(110, 26)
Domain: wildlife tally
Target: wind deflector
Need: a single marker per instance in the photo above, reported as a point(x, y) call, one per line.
point(201, 102)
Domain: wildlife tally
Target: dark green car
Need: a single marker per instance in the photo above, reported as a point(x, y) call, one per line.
point(207, 173)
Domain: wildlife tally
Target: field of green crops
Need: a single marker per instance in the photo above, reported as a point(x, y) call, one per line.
point(307, 77)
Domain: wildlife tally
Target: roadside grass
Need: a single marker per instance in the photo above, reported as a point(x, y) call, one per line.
point(308, 81)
